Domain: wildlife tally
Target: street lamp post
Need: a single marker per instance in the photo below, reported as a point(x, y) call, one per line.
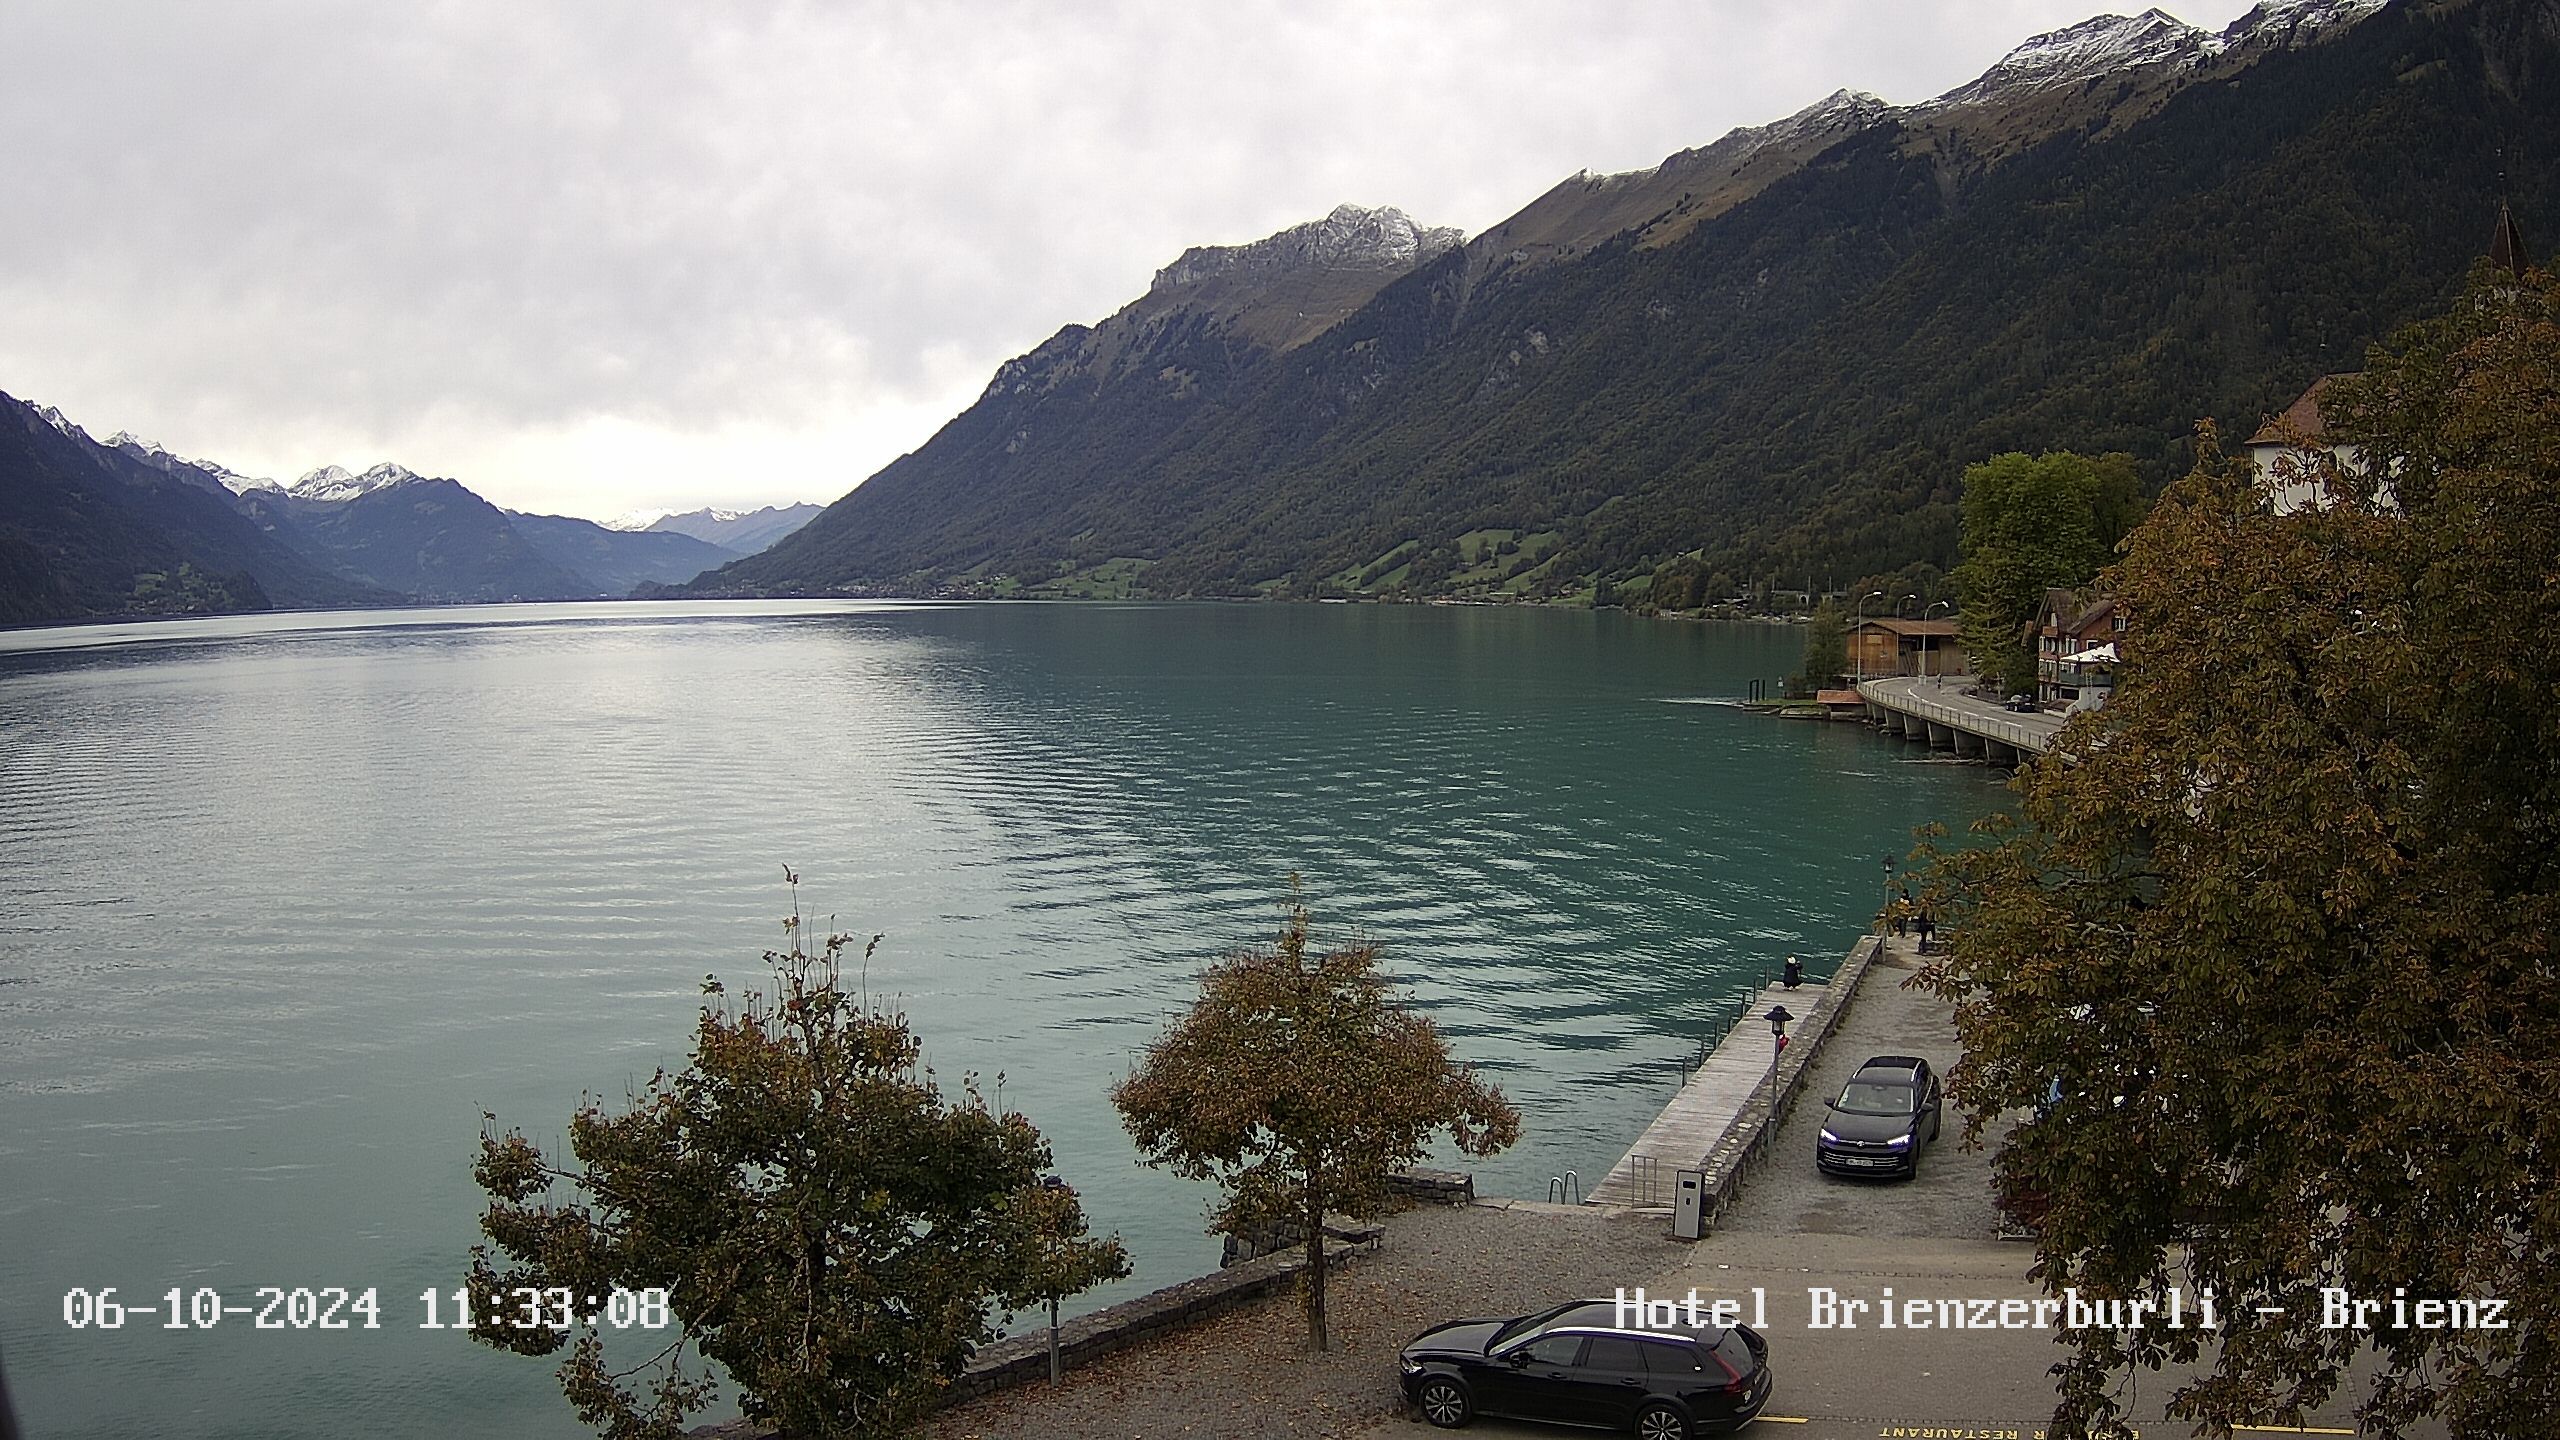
point(1859, 629)
point(1924, 640)
point(1778, 1018)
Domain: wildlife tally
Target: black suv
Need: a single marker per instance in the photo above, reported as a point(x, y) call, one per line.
point(1884, 1115)
point(1577, 1365)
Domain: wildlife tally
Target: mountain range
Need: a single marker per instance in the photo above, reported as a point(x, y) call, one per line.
point(1770, 355)
point(123, 526)
point(743, 532)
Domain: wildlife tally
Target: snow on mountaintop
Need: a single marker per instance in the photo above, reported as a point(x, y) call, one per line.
point(1349, 238)
point(61, 422)
point(2285, 21)
point(2097, 46)
point(647, 519)
point(333, 482)
point(163, 458)
point(1841, 109)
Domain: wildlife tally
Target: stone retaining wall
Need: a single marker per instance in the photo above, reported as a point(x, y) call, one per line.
point(1024, 1358)
point(1411, 1187)
point(1434, 1187)
point(1018, 1359)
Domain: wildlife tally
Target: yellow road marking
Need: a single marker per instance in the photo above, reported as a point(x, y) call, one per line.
point(1785, 1420)
point(2294, 1429)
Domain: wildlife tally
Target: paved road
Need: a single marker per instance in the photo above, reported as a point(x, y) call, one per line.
point(1797, 1231)
point(1948, 703)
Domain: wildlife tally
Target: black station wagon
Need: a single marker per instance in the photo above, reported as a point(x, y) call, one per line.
point(1574, 1365)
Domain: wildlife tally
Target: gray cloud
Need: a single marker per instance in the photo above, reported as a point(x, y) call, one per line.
point(590, 257)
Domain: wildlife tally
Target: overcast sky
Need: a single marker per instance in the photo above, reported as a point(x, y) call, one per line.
point(603, 257)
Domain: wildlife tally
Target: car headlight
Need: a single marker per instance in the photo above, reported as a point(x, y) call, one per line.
point(1408, 1364)
point(1898, 1142)
point(1827, 1135)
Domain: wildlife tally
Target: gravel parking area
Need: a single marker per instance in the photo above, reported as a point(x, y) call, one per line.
point(1249, 1373)
point(1952, 1197)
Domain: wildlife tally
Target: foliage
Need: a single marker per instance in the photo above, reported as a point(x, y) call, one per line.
point(1299, 1083)
point(190, 591)
point(1826, 648)
point(2030, 524)
point(2271, 950)
point(832, 1229)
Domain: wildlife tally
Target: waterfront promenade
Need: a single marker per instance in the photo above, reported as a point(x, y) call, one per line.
point(1736, 1077)
point(1721, 1119)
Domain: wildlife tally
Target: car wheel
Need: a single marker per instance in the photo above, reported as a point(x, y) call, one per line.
point(1661, 1422)
point(1444, 1403)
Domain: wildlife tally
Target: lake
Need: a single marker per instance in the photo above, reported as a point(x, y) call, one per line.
point(288, 902)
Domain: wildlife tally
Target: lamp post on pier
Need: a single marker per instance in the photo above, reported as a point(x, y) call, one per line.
point(1777, 1018)
point(1884, 919)
point(1924, 639)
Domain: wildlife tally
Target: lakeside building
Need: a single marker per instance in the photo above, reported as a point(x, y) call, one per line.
point(2289, 449)
point(2075, 639)
point(1886, 646)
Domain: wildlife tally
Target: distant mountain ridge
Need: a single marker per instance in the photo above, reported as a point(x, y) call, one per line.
point(89, 529)
point(1774, 353)
point(128, 527)
point(741, 532)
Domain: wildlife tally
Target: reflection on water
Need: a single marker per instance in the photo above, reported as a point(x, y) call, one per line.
point(287, 904)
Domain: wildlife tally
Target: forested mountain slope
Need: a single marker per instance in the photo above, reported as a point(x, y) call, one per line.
point(2123, 228)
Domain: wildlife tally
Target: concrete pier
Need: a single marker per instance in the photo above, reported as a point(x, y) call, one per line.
point(1705, 1105)
point(1719, 1118)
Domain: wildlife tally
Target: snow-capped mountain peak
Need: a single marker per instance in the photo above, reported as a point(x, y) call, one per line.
point(1841, 109)
point(161, 457)
point(61, 422)
point(336, 482)
point(1349, 238)
point(648, 519)
point(2100, 45)
point(2287, 22)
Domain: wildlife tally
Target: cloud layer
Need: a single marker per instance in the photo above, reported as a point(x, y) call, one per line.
point(593, 258)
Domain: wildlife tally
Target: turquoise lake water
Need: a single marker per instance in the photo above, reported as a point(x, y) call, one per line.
point(287, 903)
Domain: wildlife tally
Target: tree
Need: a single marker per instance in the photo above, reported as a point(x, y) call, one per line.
point(827, 1225)
point(2271, 950)
point(2031, 523)
point(1826, 647)
point(1299, 1083)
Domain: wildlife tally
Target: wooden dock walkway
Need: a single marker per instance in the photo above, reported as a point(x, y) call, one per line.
point(1734, 1078)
